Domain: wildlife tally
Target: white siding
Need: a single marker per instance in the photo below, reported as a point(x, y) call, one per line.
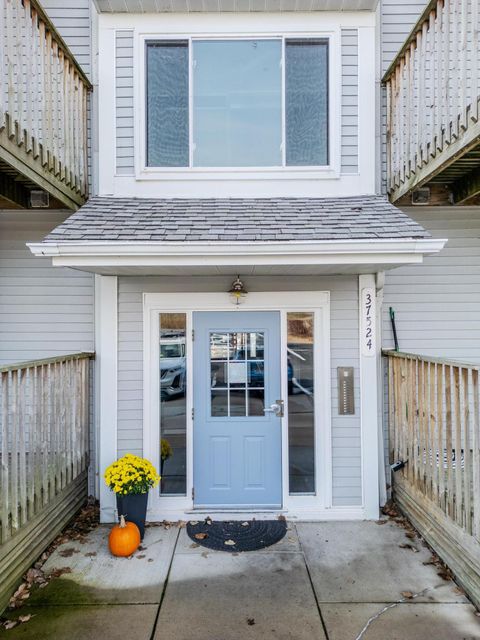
point(44, 311)
point(437, 304)
point(349, 153)
point(124, 102)
point(344, 346)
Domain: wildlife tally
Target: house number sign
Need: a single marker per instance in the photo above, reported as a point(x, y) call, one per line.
point(368, 321)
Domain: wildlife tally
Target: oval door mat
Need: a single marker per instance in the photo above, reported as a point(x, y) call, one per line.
point(228, 535)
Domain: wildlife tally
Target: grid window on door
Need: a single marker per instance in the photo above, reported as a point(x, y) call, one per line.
point(237, 374)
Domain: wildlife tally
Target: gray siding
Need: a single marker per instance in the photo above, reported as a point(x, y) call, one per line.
point(437, 304)
point(124, 102)
point(396, 21)
point(347, 489)
point(44, 311)
point(72, 20)
point(349, 152)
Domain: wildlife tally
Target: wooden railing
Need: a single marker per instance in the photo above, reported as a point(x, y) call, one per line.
point(434, 430)
point(43, 103)
point(433, 95)
point(44, 456)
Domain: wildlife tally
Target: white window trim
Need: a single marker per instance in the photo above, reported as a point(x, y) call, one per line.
point(318, 302)
point(330, 171)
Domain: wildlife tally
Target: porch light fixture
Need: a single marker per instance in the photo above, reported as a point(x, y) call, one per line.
point(237, 291)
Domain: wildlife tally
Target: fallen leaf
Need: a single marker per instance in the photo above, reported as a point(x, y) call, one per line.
point(411, 535)
point(194, 545)
point(68, 553)
point(141, 556)
point(201, 536)
point(281, 518)
point(381, 521)
point(26, 618)
point(444, 574)
point(409, 546)
point(250, 621)
point(230, 543)
point(407, 594)
point(461, 592)
point(91, 554)
point(150, 560)
point(9, 624)
point(204, 554)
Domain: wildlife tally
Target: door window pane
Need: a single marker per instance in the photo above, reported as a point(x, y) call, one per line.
point(167, 104)
point(237, 98)
point(306, 102)
point(237, 384)
point(173, 417)
point(301, 423)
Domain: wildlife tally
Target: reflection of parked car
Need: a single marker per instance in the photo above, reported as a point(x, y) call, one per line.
point(172, 365)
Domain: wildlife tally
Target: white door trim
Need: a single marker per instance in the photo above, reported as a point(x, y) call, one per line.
point(106, 386)
point(167, 507)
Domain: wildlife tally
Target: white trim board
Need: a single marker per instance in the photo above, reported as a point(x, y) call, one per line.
point(98, 254)
point(317, 302)
point(237, 182)
point(106, 368)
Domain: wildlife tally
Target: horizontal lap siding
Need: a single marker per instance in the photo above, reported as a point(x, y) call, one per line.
point(344, 352)
point(349, 150)
point(437, 304)
point(124, 102)
point(44, 310)
point(72, 19)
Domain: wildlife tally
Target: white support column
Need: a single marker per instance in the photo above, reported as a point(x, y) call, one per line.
point(369, 394)
point(106, 385)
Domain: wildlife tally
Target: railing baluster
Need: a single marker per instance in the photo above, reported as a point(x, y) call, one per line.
point(476, 453)
point(5, 503)
point(450, 403)
point(467, 455)
point(14, 451)
point(41, 111)
point(440, 435)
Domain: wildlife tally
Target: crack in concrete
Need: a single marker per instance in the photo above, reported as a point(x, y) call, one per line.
point(372, 619)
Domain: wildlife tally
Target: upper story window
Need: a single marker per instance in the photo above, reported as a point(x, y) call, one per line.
point(237, 103)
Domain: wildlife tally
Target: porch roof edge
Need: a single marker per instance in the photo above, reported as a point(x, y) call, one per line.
point(319, 252)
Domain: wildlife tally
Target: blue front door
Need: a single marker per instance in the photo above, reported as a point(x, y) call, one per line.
point(237, 423)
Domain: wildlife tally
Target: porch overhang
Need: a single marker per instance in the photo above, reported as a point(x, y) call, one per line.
point(216, 258)
point(256, 6)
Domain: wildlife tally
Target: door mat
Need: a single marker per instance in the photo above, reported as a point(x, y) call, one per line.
point(228, 535)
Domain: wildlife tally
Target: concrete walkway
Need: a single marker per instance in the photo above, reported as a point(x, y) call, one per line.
point(325, 581)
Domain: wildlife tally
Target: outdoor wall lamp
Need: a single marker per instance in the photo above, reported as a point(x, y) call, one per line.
point(237, 291)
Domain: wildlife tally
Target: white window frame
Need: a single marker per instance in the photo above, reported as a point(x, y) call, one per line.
point(332, 170)
point(317, 302)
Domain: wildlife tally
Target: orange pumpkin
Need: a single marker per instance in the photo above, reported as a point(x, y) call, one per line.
point(124, 538)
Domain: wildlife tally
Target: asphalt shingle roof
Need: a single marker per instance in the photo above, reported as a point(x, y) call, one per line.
point(236, 220)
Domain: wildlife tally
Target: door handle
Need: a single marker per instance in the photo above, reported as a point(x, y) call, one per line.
point(276, 408)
